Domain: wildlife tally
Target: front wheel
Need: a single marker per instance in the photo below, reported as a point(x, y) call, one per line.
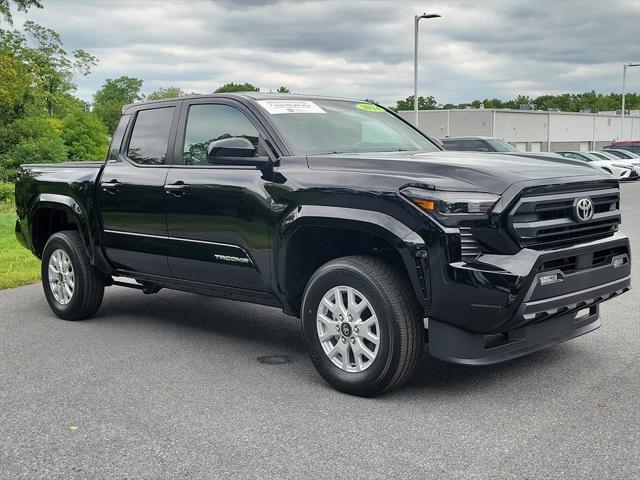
point(72, 286)
point(362, 325)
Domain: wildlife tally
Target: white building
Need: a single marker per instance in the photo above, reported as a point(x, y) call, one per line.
point(528, 130)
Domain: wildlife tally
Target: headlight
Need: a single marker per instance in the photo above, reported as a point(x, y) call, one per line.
point(451, 207)
point(619, 165)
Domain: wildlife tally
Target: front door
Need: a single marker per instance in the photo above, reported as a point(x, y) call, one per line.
point(132, 196)
point(218, 217)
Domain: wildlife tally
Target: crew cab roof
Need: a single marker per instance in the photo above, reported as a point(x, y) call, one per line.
point(467, 137)
point(243, 96)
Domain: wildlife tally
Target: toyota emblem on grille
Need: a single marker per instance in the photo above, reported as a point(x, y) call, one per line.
point(584, 210)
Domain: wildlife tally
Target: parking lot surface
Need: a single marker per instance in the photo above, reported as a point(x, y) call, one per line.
point(173, 386)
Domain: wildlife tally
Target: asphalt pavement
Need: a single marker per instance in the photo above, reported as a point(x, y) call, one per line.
point(176, 385)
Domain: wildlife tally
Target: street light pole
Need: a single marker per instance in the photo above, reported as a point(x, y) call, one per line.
point(624, 78)
point(415, 60)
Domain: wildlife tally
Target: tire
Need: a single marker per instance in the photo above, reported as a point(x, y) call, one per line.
point(88, 283)
point(400, 329)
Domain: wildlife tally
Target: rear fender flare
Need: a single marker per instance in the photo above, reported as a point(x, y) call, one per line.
point(68, 204)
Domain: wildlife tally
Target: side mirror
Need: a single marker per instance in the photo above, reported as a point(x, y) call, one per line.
point(234, 151)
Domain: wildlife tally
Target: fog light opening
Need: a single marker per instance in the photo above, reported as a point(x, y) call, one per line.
point(618, 262)
point(585, 312)
point(549, 279)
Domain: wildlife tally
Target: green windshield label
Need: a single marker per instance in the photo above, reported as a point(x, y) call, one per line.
point(369, 107)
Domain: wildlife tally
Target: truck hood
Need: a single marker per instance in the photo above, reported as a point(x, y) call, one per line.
point(458, 171)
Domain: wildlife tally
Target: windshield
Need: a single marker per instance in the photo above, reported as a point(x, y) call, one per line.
point(338, 126)
point(576, 156)
point(500, 145)
point(631, 148)
point(621, 154)
point(609, 157)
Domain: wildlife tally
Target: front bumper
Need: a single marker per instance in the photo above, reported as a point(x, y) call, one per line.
point(508, 312)
point(459, 346)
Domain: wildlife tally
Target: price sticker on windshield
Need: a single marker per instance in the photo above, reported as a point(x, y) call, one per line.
point(277, 107)
point(369, 107)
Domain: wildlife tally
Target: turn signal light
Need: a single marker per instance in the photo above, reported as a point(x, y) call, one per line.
point(429, 205)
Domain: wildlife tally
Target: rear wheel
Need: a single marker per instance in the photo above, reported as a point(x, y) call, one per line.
point(72, 286)
point(362, 325)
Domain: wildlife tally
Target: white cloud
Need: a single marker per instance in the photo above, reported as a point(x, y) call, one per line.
point(355, 48)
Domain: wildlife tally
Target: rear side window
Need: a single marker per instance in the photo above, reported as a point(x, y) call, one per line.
point(118, 135)
point(207, 123)
point(150, 137)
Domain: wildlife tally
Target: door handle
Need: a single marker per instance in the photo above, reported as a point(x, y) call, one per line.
point(177, 189)
point(112, 186)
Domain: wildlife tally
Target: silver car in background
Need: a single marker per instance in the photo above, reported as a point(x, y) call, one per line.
point(620, 153)
point(629, 163)
point(621, 171)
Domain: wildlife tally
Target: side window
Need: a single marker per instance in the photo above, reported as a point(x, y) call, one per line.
point(475, 146)
point(150, 137)
point(207, 123)
point(452, 145)
point(116, 140)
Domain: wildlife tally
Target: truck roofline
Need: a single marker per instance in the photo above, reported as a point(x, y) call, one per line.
point(244, 96)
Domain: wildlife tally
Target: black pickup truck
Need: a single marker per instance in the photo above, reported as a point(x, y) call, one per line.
point(340, 213)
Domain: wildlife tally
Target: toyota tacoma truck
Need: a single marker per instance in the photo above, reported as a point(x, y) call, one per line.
point(340, 213)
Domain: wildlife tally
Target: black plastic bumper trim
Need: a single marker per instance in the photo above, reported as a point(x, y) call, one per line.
point(459, 346)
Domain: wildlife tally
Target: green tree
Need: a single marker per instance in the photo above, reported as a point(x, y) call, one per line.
point(114, 94)
point(236, 87)
point(84, 136)
point(29, 140)
point(38, 60)
point(15, 87)
point(283, 90)
point(21, 5)
point(67, 104)
point(169, 92)
point(424, 103)
point(52, 66)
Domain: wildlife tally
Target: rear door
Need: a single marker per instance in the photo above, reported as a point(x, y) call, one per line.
point(218, 217)
point(131, 190)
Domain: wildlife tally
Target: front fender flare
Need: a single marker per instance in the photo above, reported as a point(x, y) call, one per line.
point(407, 242)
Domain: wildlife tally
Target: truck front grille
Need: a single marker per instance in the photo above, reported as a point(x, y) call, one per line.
point(542, 221)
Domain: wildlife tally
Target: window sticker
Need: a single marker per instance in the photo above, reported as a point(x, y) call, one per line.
point(369, 107)
point(276, 107)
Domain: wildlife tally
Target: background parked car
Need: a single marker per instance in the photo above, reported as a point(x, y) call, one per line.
point(620, 172)
point(540, 155)
point(630, 145)
point(477, 144)
point(619, 162)
point(603, 155)
point(618, 152)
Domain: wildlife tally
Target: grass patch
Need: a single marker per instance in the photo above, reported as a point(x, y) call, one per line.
point(18, 266)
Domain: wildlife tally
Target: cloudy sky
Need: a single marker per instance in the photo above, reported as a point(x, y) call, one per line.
point(362, 49)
